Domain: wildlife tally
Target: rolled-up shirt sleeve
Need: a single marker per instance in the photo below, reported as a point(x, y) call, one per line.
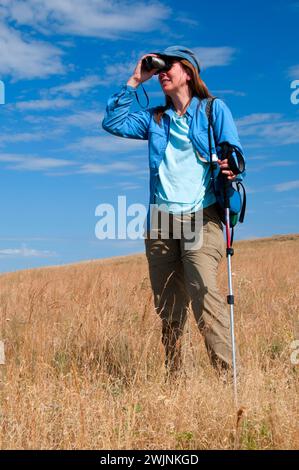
point(119, 121)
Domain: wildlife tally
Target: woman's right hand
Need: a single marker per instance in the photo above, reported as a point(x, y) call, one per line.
point(140, 74)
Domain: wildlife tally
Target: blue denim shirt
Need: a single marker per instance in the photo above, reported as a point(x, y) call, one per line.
point(141, 125)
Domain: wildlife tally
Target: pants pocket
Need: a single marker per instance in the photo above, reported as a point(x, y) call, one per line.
point(214, 241)
point(210, 214)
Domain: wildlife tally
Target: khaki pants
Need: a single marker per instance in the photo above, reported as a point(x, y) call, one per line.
point(179, 275)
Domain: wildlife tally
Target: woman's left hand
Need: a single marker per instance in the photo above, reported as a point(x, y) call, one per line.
point(224, 167)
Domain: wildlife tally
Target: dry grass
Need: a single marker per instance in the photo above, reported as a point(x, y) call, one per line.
point(85, 368)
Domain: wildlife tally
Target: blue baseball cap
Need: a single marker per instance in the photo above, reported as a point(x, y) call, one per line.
point(181, 52)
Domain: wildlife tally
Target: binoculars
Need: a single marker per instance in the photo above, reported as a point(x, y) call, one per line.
point(163, 64)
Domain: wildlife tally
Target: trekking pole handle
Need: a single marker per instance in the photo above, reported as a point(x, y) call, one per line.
point(226, 185)
point(226, 154)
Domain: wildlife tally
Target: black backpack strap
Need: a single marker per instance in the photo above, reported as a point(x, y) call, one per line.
point(243, 209)
point(209, 109)
point(209, 113)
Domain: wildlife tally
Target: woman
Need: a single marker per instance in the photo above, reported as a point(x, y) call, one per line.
point(180, 183)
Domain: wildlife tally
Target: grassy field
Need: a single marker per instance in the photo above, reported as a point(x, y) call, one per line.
point(85, 367)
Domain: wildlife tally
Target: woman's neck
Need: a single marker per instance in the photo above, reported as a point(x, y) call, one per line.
point(181, 101)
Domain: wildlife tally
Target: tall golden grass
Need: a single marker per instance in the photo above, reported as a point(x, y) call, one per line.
point(85, 367)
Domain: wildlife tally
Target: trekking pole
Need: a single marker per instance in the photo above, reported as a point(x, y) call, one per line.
point(238, 167)
point(230, 297)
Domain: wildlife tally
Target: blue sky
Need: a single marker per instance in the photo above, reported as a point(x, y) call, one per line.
point(62, 59)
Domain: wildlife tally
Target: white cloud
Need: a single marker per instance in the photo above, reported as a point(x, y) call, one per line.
point(82, 119)
point(283, 163)
point(34, 136)
point(288, 186)
point(44, 104)
point(268, 128)
point(95, 18)
point(256, 168)
point(257, 118)
point(288, 206)
point(29, 163)
point(75, 89)
point(229, 92)
point(129, 186)
point(181, 17)
point(38, 164)
point(259, 157)
point(26, 58)
point(25, 252)
point(21, 137)
point(293, 72)
point(281, 133)
point(108, 144)
point(97, 168)
point(214, 56)
point(120, 71)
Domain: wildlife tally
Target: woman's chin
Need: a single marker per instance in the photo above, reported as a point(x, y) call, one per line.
point(166, 91)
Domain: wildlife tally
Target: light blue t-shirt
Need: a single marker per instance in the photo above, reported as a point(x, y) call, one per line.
point(184, 180)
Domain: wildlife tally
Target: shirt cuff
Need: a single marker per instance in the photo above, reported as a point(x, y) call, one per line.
point(129, 88)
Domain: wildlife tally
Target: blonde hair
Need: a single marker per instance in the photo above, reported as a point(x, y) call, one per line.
point(196, 84)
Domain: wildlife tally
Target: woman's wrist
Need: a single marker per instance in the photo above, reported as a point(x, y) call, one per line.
point(133, 82)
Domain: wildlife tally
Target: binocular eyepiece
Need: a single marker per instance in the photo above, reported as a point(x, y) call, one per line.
point(162, 64)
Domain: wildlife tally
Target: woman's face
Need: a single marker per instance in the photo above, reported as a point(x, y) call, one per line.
point(175, 79)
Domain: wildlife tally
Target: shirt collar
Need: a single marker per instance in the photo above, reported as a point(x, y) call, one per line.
point(189, 111)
